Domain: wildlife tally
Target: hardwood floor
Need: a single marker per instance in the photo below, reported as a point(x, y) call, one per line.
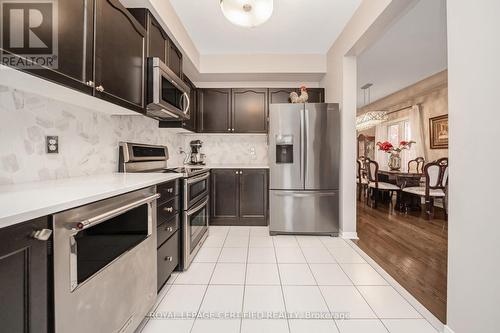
point(412, 249)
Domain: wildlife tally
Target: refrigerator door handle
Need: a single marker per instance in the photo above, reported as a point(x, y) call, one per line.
point(306, 138)
point(302, 148)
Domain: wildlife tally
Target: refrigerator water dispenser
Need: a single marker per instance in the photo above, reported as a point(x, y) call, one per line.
point(284, 149)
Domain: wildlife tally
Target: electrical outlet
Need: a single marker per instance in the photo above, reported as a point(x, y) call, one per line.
point(52, 144)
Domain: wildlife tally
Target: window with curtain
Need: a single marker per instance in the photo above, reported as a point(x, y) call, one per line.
point(396, 132)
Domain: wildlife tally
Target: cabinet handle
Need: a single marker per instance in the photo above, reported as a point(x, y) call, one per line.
point(100, 88)
point(170, 190)
point(42, 235)
point(90, 83)
point(170, 229)
point(169, 209)
point(168, 258)
point(229, 130)
point(236, 172)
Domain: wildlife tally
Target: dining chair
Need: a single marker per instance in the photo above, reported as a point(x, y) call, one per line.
point(436, 180)
point(375, 186)
point(361, 179)
point(416, 165)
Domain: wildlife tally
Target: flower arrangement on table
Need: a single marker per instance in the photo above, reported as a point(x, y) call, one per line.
point(394, 159)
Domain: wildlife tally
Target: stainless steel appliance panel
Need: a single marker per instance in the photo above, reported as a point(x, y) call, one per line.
point(125, 287)
point(321, 146)
point(304, 212)
point(286, 132)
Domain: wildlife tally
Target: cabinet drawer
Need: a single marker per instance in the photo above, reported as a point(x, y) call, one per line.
point(167, 259)
point(167, 191)
point(167, 229)
point(167, 210)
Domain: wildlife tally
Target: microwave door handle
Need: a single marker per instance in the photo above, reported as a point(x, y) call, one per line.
point(186, 107)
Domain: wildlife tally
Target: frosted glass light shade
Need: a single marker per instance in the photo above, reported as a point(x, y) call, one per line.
point(247, 13)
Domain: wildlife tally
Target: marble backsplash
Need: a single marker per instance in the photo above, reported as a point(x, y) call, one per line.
point(88, 140)
point(231, 148)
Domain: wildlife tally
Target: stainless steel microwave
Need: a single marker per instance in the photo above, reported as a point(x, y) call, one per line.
point(168, 95)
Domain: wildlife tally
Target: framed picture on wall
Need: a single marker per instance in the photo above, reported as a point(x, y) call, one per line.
point(438, 127)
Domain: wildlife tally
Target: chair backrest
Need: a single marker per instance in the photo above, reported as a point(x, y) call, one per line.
point(436, 174)
point(362, 160)
point(371, 170)
point(416, 165)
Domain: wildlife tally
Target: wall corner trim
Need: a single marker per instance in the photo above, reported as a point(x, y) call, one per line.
point(349, 235)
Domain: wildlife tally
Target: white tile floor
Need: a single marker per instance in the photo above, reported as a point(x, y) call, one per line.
point(317, 281)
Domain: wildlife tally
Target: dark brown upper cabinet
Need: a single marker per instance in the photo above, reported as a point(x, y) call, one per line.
point(282, 95)
point(74, 48)
point(316, 95)
point(239, 197)
point(214, 110)
point(249, 110)
point(157, 39)
point(175, 59)
point(24, 279)
point(119, 56)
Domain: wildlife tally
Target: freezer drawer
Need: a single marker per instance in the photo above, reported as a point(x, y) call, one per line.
point(304, 212)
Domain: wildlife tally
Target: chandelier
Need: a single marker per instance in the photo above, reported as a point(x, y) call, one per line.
point(247, 13)
point(370, 119)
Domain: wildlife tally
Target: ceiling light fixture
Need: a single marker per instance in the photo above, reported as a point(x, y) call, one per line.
point(371, 118)
point(247, 13)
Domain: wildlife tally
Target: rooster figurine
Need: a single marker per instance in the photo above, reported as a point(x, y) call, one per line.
point(295, 98)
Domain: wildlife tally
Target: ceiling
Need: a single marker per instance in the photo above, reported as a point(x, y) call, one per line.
point(414, 48)
point(296, 27)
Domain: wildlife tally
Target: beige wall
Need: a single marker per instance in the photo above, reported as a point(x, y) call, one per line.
point(473, 247)
point(433, 104)
point(370, 21)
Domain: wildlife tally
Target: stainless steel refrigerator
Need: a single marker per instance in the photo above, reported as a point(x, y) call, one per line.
point(304, 157)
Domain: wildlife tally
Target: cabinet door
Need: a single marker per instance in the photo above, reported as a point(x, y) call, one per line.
point(24, 280)
point(316, 95)
point(120, 62)
point(280, 95)
point(253, 197)
point(249, 110)
point(175, 59)
point(74, 47)
point(214, 110)
point(157, 40)
point(225, 197)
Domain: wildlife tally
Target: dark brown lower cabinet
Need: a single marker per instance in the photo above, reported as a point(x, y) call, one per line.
point(239, 197)
point(24, 279)
point(168, 224)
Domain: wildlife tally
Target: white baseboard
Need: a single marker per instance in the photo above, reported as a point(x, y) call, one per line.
point(447, 329)
point(349, 235)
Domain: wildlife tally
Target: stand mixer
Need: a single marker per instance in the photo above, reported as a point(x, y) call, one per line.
point(196, 157)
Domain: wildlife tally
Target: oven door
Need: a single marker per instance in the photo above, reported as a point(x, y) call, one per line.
point(195, 230)
point(195, 189)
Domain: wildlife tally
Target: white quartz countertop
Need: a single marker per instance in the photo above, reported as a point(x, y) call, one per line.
point(23, 202)
point(233, 166)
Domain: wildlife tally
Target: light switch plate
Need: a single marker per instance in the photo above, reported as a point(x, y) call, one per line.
point(52, 144)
